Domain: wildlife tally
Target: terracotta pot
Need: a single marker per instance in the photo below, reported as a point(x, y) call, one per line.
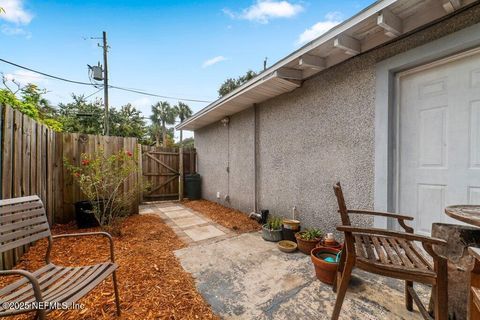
point(336, 245)
point(305, 245)
point(325, 271)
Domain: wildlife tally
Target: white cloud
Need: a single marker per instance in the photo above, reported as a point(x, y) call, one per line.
point(25, 77)
point(264, 10)
point(319, 28)
point(15, 31)
point(15, 12)
point(212, 61)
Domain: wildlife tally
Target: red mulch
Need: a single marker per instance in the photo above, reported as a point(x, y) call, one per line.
point(227, 217)
point(152, 283)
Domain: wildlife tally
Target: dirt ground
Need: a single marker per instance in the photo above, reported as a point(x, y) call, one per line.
point(229, 218)
point(152, 283)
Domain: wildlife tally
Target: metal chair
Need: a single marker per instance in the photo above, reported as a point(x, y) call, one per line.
point(23, 221)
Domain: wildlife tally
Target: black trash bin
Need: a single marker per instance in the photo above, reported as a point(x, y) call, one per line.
point(193, 189)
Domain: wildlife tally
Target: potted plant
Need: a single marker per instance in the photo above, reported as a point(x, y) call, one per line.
point(272, 230)
point(329, 242)
point(101, 179)
point(325, 261)
point(308, 239)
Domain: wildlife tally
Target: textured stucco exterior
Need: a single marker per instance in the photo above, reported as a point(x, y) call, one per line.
point(308, 139)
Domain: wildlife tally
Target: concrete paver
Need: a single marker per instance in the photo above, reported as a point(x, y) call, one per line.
point(205, 232)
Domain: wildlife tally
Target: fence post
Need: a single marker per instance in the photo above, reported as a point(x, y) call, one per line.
point(180, 177)
point(140, 173)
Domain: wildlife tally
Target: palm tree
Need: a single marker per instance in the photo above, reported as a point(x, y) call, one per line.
point(183, 112)
point(163, 114)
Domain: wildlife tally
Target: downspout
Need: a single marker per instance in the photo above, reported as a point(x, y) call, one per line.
point(255, 158)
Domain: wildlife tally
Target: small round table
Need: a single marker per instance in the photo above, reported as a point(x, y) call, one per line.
point(466, 213)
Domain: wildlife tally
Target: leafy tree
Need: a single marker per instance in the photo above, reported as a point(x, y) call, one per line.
point(127, 122)
point(231, 84)
point(162, 114)
point(31, 103)
point(183, 112)
point(81, 116)
point(188, 143)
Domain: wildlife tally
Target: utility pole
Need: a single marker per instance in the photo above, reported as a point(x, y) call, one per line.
point(105, 82)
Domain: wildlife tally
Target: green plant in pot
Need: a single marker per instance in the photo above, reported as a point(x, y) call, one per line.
point(272, 230)
point(308, 239)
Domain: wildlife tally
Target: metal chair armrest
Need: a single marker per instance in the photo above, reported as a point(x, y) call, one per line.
point(30, 277)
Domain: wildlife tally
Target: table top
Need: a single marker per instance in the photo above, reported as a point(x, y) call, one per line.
point(465, 213)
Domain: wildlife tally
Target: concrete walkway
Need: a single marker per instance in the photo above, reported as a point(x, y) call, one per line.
point(191, 226)
point(245, 277)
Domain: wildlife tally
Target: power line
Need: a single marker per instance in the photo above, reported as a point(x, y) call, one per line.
point(45, 74)
point(157, 95)
point(96, 85)
point(93, 93)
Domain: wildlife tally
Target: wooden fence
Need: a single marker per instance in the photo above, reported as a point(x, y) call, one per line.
point(32, 158)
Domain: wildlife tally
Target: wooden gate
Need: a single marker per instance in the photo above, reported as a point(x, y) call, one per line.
point(161, 170)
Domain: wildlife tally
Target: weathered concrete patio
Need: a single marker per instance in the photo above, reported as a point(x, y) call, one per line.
point(244, 277)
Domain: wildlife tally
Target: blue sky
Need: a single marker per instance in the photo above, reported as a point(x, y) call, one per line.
point(176, 48)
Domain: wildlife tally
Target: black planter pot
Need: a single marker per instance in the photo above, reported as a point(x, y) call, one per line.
point(84, 215)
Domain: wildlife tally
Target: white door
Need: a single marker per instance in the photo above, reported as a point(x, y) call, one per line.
point(438, 160)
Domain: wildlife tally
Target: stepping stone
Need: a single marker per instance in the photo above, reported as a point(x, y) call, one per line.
point(168, 209)
point(186, 222)
point(145, 210)
point(179, 214)
point(202, 233)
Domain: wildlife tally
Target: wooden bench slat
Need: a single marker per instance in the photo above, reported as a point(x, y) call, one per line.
point(391, 255)
point(399, 250)
point(368, 247)
point(380, 251)
point(359, 246)
point(413, 257)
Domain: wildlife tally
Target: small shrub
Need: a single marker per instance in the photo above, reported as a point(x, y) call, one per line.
point(101, 179)
point(274, 223)
point(311, 234)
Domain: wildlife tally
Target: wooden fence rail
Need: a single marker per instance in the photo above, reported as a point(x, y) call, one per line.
point(32, 158)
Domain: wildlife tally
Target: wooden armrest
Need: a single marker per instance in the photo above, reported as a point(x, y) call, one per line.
point(379, 213)
point(396, 234)
point(83, 234)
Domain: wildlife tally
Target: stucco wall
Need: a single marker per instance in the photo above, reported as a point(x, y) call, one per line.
point(308, 139)
point(215, 156)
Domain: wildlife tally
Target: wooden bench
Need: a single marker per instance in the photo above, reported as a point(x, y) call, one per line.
point(391, 254)
point(23, 221)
